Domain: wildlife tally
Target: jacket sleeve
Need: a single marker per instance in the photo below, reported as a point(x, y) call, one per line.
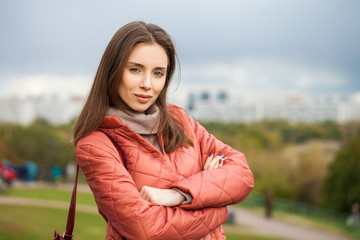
point(120, 203)
point(229, 184)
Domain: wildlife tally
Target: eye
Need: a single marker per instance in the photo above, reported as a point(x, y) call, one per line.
point(134, 69)
point(159, 74)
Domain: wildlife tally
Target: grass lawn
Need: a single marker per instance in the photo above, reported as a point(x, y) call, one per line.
point(233, 236)
point(19, 222)
point(234, 232)
point(40, 223)
point(48, 193)
point(88, 199)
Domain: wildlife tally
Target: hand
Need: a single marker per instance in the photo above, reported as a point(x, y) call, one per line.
point(164, 197)
point(214, 162)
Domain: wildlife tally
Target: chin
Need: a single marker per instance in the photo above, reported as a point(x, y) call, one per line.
point(140, 108)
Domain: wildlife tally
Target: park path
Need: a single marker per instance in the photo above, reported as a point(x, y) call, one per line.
point(252, 221)
point(277, 228)
point(45, 203)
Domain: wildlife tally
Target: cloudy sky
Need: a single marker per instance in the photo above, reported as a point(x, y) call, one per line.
point(258, 47)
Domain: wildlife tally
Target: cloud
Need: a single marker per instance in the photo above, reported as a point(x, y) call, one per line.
point(319, 78)
point(214, 72)
point(264, 75)
point(251, 76)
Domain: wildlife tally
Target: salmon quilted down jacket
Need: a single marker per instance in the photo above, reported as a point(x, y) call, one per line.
point(116, 188)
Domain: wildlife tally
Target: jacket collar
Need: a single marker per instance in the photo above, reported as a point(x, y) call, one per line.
point(141, 123)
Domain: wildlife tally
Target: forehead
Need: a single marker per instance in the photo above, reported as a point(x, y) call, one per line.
point(149, 54)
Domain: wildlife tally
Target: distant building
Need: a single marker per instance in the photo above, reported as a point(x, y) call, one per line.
point(230, 106)
point(204, 105)
point(54, 109)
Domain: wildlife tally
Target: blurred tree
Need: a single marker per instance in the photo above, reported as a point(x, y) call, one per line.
point(271, 171)
point(292, 159)
point(41, 122)
point(40, 142)
point(350, 130)
point(282, 155)
point(6, 151)
point(331, 130)
point(342, 186)
point(303, 132)
point(309, 172)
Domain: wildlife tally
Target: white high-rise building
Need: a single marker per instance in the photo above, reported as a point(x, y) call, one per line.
point(54, 109)
point(206, 106)
point(203, 105)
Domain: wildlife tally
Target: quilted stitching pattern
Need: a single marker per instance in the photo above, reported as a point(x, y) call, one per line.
point(121, 204)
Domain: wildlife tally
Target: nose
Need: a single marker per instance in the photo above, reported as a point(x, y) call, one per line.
point(146, 82)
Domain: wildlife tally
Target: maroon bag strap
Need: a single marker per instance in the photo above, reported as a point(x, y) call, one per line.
point(68, 235)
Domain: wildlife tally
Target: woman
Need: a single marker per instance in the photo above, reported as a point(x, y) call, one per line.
point(177, 179)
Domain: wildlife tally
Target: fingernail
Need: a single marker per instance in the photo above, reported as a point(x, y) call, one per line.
point(220, 161)
point(221, 154)
point(223, 157)
point(210, 154)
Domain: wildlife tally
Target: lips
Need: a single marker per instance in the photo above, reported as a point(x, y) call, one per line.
point(143, 98)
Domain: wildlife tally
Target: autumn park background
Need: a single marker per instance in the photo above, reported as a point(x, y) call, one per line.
point(275, 79)
point(314, 164)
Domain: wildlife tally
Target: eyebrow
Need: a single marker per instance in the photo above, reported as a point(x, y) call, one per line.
point(140, 65)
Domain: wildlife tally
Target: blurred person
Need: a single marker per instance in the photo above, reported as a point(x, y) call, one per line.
point(32, 171)
point(56, 173)
point(269, 196)
point(7, 173)
point(70, 171)
point(176, 179)
point(353, 219)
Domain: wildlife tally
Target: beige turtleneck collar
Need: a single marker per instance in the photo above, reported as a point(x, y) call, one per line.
point(145, 124)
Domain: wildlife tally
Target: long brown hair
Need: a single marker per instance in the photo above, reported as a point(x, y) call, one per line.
point(104, 91)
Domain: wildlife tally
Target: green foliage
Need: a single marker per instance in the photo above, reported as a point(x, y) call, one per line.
point(40, 142)
point(292, 159)
point(342, 186)
point(303, 132)
point(349, 131)
point(271, 171)
point(267, 135)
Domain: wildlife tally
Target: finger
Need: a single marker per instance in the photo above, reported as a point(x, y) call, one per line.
point(218, 163)
point(143, 192)
point(215, 162)
point(146, 193)
point(221, 161)
point(212, 163)
point(216, 166)
point(208, 160)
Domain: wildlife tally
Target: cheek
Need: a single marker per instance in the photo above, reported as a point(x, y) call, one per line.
point(159, 86)
point(127, 82)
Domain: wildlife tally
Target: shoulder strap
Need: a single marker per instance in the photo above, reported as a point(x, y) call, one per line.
point(68, 235)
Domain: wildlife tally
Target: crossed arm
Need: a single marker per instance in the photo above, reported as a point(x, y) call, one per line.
point(137, 218)
point(217, 185)
point(171, 197)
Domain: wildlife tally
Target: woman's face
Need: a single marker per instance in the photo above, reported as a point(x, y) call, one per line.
point(144, 76)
